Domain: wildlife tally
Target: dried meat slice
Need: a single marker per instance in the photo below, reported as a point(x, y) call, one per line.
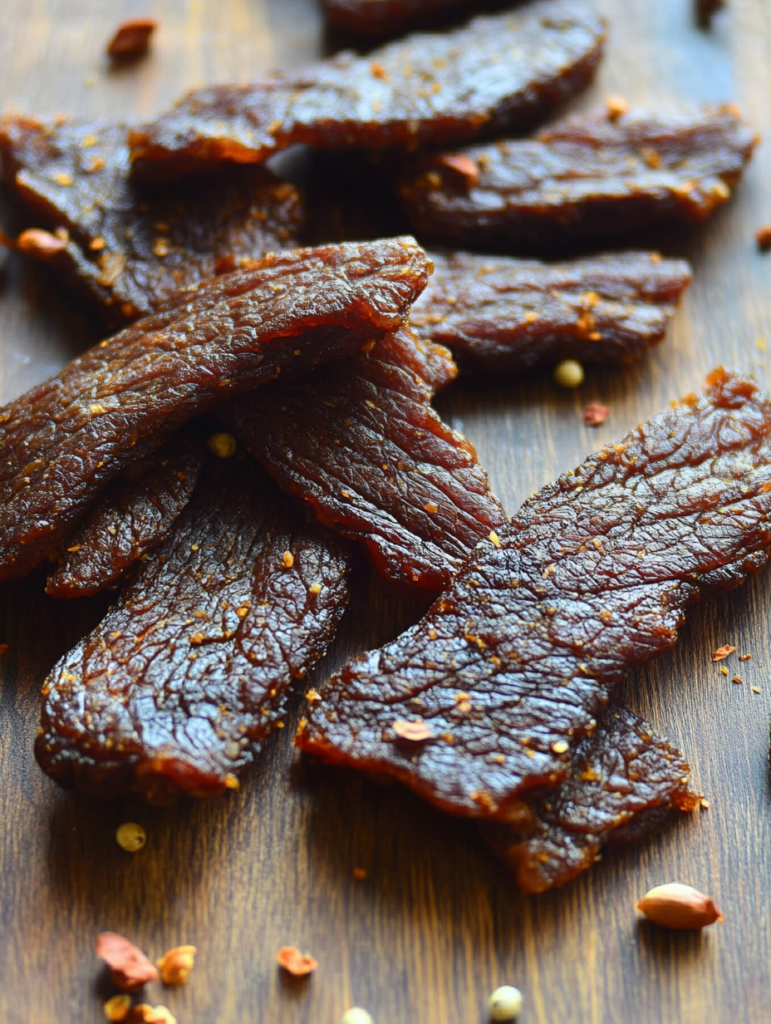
point(361, 443)
point(64, 440)
point(135, 514)
point(190, 668)
point(129, 248)
point(510, 667)
point(387, 17)
point(584, 178)
point(496, 73)
point(625, 781)
point(499, 313)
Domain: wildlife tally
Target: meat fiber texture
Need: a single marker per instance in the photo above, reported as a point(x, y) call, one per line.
point(190, 668)
point(496, 73)
point(129, 248)
point(61, 442)
point(361, 444)
point(491, 693)
point(586, 178)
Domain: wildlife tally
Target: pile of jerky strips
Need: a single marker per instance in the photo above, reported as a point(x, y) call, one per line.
point(264, 405)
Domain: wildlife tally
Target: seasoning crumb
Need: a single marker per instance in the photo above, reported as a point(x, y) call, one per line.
point(595, 414)
point(763, 238)
point(560, 747)
point(756, 689)
point(176, 965)
point(359, 874)
point(745, 657)
point(493, 536)
point(462, 165)
point(315, 588)
point(356, 1016)
point(132, 38)
point(288, 559)
point(117, 1008)
point(130, 836)
point(129, 968)
point(415, 732)
point(616, 107)
point(704, 803)
point(42, 243)
point(222, 445)
point(505, 1003)
point(724, 670)
point(737, 679)
point(146, 1014)
point(723, 652)
point(312, 695)
point(569, 373)
point(296, 963)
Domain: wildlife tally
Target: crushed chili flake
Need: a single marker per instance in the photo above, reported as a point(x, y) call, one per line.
point(616, 107)
point(359, 874)
point(745, 657)
point(723, 652)
point(415, 732)
point(129, 967)
point(43, 243)
point(763, 237)
point(117, 1008)
point(595, 414)
point(737, 679)
point(176, 965)
point(462, 165)
point(132, 38)
point(296, 963)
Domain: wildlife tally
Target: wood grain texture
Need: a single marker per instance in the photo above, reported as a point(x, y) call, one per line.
point(437, 925)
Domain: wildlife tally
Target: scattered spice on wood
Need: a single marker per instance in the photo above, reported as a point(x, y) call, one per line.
point(595, 414)
point(723, 652)
point(129, 967)
point(296, 963)
point(132, 38)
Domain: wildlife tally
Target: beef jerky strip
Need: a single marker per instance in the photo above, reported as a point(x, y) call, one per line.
point(64, 440)
point(488, 695)
point(125, 247)
point(191, 666)
point(387, 17)
point(493, 74)
point(587, 177)
point(498, 313)
point(625, 781)
point(361, 443)
point(135, 514)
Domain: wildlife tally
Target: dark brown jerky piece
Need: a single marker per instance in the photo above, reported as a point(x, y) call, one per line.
point(587, 177)
point(361, 443)
point(135, 514)
point(493, 74)
point(510, 666)
point(65, 439)
point(191, 666)
point(128, 248)
point(624, 782)
point(499, 313)
point(387, 17)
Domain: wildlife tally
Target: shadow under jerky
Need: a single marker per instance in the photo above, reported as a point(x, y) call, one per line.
point(496, 73)
point(361, 444)
point(499, 313)
point(624, 782)
point(584, 178)
point(129, 248)
point(68, 437)
point(190, 668)
point(488, 696)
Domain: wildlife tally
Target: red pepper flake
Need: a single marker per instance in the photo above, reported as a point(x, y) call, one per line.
point(737, 679)
point(616, 107)
point(745, 657)
point(378, 71)
point(415, 732)
point(129, 967)
point(42, 243)
point(595, 414)
point(463, 166)
point(132, 38)
point(296, 963)
point(723, 652)
point(763, 237)
point(359, 874)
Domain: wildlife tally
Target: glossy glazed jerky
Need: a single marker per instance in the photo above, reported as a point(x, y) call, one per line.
point(625, 781)
point(498, 313)
point(361, 443)
point(387, 17)
point(65, 439)
point(134, 515)
point(129, 248)
point(495, 73)
point(511, 665)
point(586, 177)
point(190, 667)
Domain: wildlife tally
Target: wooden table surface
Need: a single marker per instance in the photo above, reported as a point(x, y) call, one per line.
point(437, 925)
